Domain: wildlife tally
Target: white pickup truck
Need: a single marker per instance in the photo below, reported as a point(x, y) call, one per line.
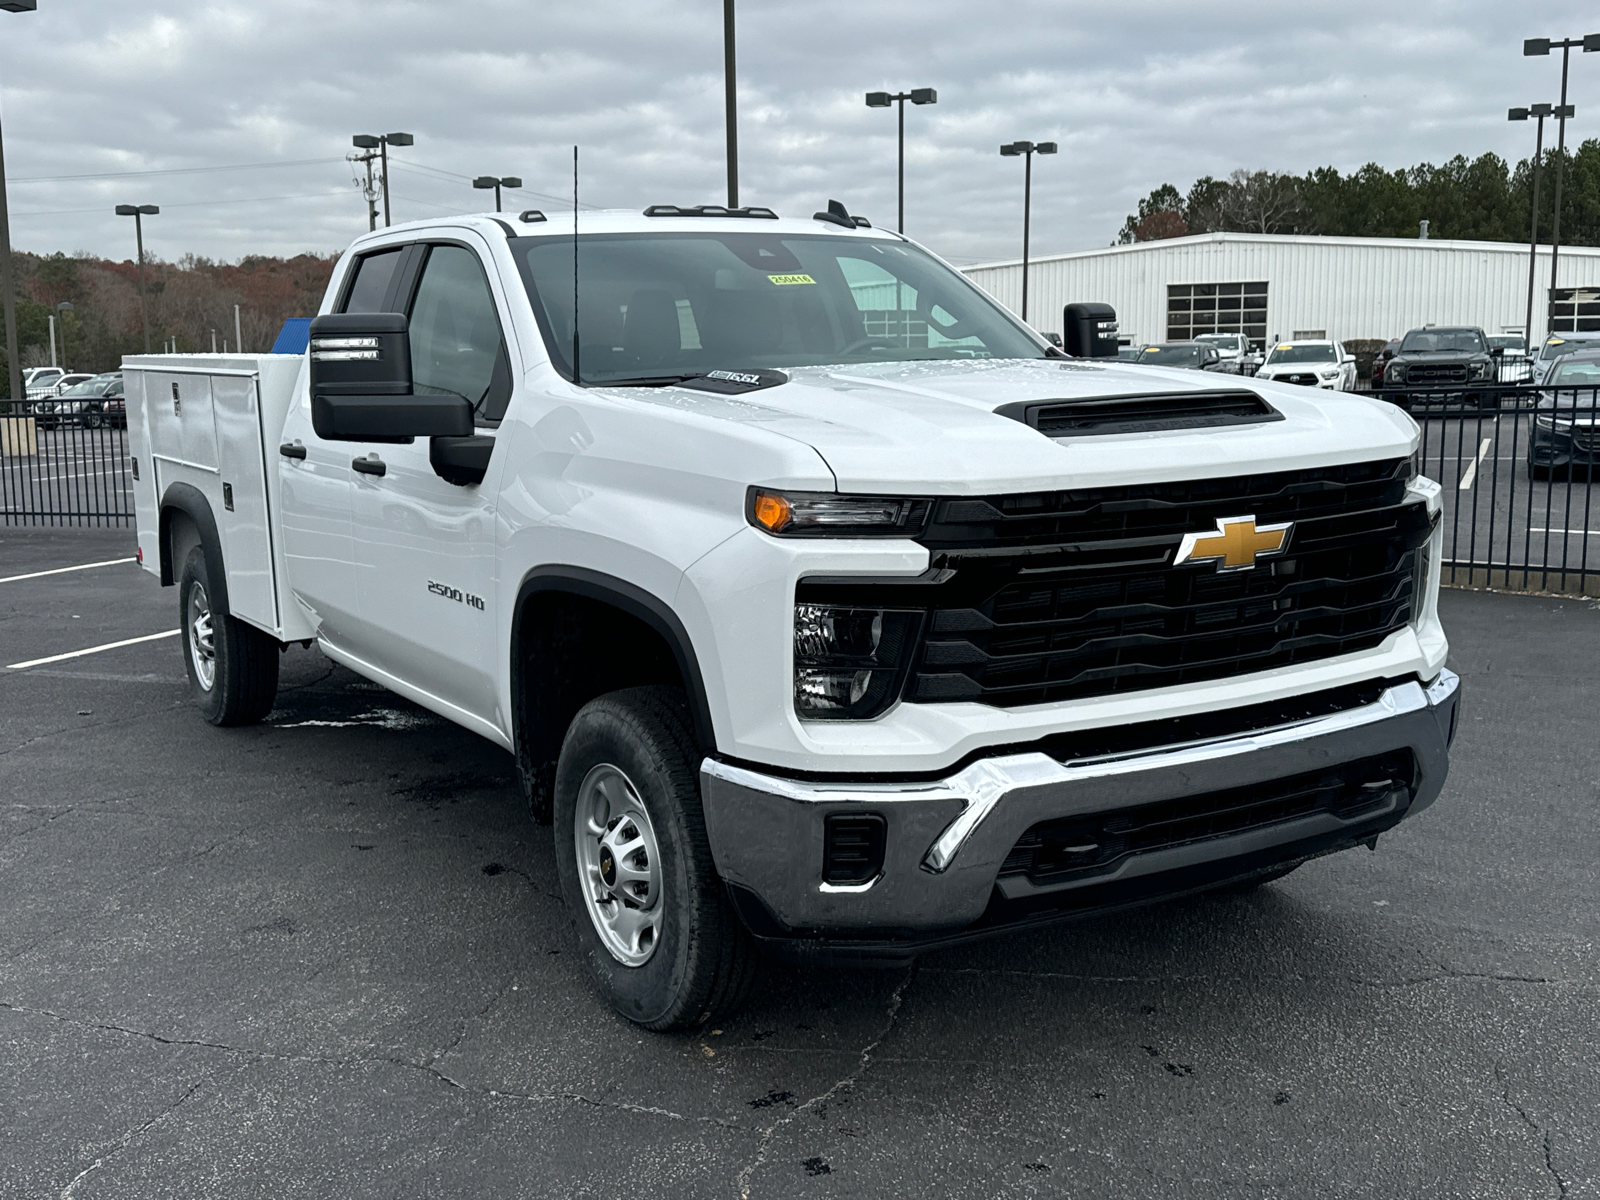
point(828, 610)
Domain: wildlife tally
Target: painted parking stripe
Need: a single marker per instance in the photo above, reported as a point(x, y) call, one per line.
point(110, 562)
point(39, 662)
point(1472, 468)
point(1568, 532)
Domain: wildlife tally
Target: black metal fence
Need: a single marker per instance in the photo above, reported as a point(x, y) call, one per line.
point(64, 462)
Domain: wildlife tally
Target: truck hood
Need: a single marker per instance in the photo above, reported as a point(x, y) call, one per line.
point(931, 427)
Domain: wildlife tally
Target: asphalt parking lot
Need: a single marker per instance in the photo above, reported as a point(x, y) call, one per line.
point(324, 957)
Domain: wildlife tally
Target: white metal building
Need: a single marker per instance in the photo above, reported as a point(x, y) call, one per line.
point(1279, 287)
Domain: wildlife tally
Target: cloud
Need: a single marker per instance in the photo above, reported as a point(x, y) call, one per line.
point(1137, 94)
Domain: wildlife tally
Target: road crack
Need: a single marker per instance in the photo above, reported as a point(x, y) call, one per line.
point(1543, 1134)
point(843, 1085)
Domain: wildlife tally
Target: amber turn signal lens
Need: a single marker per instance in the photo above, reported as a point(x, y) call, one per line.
point(771, 512)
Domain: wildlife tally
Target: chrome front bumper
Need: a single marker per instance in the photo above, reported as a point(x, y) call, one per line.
point(948, 838)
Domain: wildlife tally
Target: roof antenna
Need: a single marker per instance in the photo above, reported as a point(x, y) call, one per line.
point(577, 377)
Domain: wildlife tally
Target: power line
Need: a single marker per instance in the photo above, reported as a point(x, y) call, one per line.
point(440, 172)
point(294, 162)
point(62, 212)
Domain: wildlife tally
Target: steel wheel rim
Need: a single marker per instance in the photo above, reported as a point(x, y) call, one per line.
point(202, 637)
point(619, 865)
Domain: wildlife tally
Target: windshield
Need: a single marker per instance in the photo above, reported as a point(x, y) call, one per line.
point(93, 386)
point(1457, 341)
point(1556, 346)
point(1509, 341)
point(1128, 353)
point(654, 306)
point(1576, 374)
point(1290, 353)
point(1223, 341)
point(1171, 356)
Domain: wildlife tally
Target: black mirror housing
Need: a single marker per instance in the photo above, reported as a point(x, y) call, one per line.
point(361, 383)
point(1091, 330)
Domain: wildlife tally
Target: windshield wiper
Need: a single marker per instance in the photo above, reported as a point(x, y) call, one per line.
point(647, 380)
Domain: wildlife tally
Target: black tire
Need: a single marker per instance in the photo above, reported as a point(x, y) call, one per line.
point(243, 661)
point(1538, 470)
point(701, 962)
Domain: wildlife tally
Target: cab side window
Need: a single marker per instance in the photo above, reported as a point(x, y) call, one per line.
point(456, 345)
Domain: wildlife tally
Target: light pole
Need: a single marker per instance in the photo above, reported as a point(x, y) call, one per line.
point(883, 100)
point(1537, 47)
point(381, 143)
point(1539, 112)
point(1026, 150)
point(489, 181)
point(730, 83)
point(62, 310)
point(10, 300)
point(138, 212)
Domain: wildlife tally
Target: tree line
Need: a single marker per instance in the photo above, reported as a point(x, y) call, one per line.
point(1482, 200)
point(187, 300)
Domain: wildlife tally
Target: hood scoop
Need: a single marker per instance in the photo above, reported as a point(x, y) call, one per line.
point(1141, 413)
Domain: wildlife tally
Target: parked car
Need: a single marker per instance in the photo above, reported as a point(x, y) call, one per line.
point(1512, 349)
point(1443, 364)
point(1321, 364)
point(94, 400)
point(1566, 417)
point(1558, 345)
point(1237, 356)
point(38, 382)
point(1198, 356)
point(1381, 360)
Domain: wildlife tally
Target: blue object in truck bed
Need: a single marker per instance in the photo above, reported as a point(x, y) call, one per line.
point(294, 337)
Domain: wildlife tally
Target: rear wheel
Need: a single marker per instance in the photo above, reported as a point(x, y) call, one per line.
point(651, 916)
point(233, 667)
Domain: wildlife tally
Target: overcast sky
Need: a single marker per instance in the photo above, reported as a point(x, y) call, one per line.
point(1136, 94)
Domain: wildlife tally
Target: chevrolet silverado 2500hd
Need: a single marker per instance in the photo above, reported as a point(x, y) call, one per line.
point(826, 608)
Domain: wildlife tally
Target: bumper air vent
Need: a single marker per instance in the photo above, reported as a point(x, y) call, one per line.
point(852, 848)
point(1140, 414)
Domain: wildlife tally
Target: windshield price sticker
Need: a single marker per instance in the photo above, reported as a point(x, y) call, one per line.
point(786, 280)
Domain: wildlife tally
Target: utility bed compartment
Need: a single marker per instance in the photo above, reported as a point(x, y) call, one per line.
point(213, 422)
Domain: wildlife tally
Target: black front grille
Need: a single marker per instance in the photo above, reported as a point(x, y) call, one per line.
point(1054, 596)
point(1436, 373)
point(1303, 378)
point(1068, 848)
point(1140, 414)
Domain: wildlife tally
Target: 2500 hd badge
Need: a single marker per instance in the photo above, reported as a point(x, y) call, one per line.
point(456, 594)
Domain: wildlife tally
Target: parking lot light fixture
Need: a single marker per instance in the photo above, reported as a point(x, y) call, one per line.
point(884, 100)
point(381, 143)
point(1026, 151)
point(139, 212)
point(489, 181)
point(1539, 47)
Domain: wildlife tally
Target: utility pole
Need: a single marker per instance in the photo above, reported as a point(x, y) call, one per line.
point(369, 192)
point(13, 362)
point(730, 89)
point(380, 143)
point(238, 337)
point(1539, 112)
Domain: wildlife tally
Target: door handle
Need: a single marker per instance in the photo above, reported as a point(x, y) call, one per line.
point(372, 465)
point(292, 450)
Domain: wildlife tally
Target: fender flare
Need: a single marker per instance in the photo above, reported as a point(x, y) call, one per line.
point(192, 503)
point(636, 602)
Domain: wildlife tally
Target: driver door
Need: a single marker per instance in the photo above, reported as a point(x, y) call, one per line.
point(425, 548)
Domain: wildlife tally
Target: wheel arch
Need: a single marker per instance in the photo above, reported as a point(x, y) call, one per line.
point(190, 501)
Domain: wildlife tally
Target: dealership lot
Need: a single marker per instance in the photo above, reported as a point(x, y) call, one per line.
point(324, 956)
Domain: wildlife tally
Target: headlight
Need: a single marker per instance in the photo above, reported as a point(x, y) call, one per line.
point(1479, 371)
point(849, 663)
point(827, 514)
point(1394, 373)
point(1333, 374)
point(1549, 420)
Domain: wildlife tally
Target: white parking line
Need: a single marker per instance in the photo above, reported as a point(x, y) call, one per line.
point(1472, 468)
point(110, 562)
point(1568, 532)
point(39, 662)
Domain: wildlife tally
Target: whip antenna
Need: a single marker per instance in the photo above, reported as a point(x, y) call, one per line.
point(576, 376)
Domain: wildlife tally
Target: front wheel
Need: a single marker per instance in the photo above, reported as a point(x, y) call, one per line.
point(233, 667)
point(651, 916)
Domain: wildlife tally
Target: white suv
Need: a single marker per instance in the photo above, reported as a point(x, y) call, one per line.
point(1321, 364)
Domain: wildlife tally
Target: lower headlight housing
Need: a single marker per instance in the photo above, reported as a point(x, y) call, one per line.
point(849, 662)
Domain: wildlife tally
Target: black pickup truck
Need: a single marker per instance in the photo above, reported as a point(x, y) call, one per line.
point(1440, 365)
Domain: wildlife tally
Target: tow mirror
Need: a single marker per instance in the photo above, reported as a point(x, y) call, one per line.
point(361, 383)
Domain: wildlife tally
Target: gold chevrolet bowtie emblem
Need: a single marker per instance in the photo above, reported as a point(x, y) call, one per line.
point(1236, 544)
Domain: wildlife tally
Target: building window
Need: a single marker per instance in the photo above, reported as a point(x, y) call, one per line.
point(1196, 308)
point(1574, 310)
